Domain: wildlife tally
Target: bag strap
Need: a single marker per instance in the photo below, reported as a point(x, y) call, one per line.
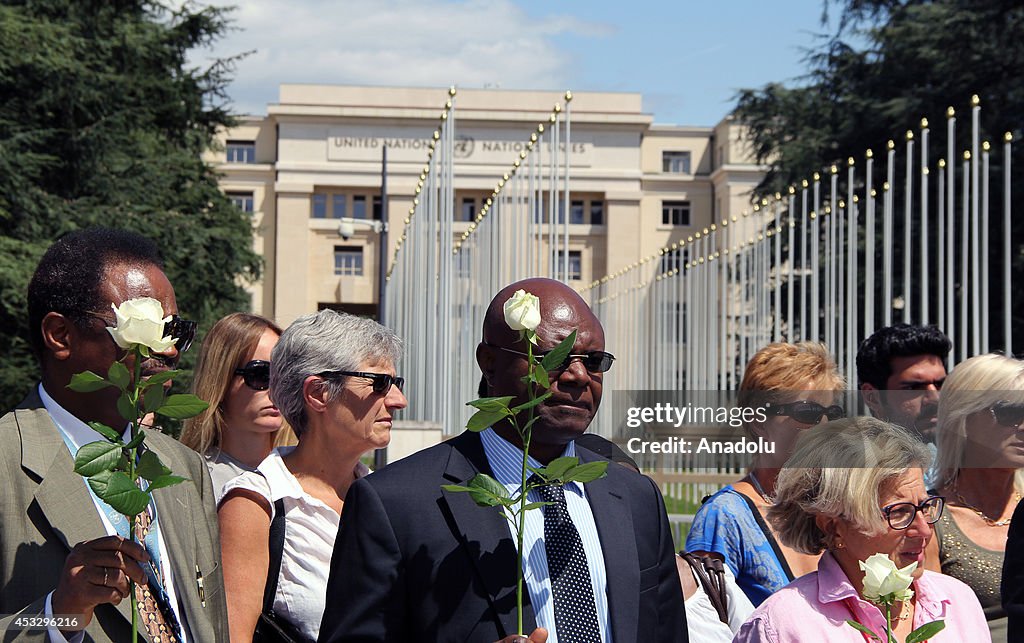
point(711, 574)
point(768, 536)
point(276, 551)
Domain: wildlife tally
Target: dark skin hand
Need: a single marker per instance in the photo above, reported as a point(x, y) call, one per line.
point(576, 392)
point(97, 572)
point(539, 635)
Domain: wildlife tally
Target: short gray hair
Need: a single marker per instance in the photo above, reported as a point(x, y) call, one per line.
point(324, 341)
point(838, 469)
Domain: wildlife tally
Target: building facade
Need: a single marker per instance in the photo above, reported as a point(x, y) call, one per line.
point(316, 157)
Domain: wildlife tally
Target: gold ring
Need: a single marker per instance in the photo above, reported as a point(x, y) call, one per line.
point(106, 572)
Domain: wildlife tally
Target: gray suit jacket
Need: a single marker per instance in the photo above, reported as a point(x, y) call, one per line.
point(46, 509)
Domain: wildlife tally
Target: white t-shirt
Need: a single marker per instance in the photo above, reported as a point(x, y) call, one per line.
point(702, 620)
point(310, 530)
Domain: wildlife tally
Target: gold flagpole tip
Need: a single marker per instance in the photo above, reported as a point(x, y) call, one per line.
point(950, 112)
point(557, 108)
point(451, 90)
point(924, 123)
point(975, 100)
point(792, 189)
point(540, 128)
point(552, 118)
point(985, 146)
point(804, 183)
point(816, 177)
point(910, 135)
point(942, 163)
point(869, 154)
point(891, 144)
point(850, 161)
point(856, 198)
point(967, 155)
point(568, 96)
point(778, 197)
point(1007, 137)
point(885, 187)
point(873, 193)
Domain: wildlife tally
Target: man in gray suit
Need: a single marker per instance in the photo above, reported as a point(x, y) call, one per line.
point(59, 553)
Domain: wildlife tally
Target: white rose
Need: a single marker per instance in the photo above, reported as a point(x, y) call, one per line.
point(141, 321)
point(522, 311)
point(884, 582)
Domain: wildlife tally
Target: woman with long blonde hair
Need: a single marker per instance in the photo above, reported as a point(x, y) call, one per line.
point(241, 426)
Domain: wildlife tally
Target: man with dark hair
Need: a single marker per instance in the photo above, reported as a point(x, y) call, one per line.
point(60, 552)
point(413, 562)
point(901, 369)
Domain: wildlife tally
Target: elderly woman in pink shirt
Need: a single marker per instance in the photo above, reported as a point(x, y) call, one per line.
point(851, 489)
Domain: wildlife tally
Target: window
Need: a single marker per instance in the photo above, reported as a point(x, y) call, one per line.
point(674, 259)
point(348, 260)
point(575, 264)
point(359, 207)
point(468, 211)
point(675, 213)
point(576, 212)
point(378, 205)
point(675, 162)
point(338, 206)
point(242, 200)
point(241, 151)
point(597, 213)
point(319, 206)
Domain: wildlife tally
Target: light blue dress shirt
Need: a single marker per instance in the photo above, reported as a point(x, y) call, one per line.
point(506, 463)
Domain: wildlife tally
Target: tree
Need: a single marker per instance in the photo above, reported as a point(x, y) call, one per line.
point(103, 122)
point(889, 64)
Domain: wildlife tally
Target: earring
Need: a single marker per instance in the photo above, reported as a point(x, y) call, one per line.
point(840, 545)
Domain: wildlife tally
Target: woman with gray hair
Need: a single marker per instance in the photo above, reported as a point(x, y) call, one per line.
point(333, 378)
point(980, 452)
point(852, 489)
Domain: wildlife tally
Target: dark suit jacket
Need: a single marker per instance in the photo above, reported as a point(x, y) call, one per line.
point(415, 563)
point(1013, 576)
point(45, 509)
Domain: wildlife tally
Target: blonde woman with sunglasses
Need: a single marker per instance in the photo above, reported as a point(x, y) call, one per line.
point(980, 452)
point(241, 426)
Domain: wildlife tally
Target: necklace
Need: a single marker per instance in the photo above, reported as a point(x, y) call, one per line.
point(904, 612)
point(988, 521)
point(757, 487)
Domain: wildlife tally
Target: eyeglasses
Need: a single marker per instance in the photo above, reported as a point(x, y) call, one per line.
point(381, 381)
point(594, 361)
point(902, 514)
point(806, 412)
point(255, 374)
point(1008, 414)
point(183, 331)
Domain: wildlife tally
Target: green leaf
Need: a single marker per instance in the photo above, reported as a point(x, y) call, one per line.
point(159, 378)
point(87, 382)
point(491, 403)
point(557, 355)
point(117, 490)
point(165, 481)
point(483, 419)
point(486, 491)
point(106, 432)
point(118, 374)
point(125, 407)
point(153, 398)
point(536, 505)
point(181, 406)
point(150, 467)
point(557, 467)
point(586, 472)
point(857, 626)
point(95, 457)
point(455, 488)
point(540, 376)
point(137, 440)
point(529, 404)
point(926, 631)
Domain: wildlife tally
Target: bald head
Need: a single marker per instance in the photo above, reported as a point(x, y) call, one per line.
point(559, 304)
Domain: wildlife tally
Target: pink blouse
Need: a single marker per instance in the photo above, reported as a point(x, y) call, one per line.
point(815, 607)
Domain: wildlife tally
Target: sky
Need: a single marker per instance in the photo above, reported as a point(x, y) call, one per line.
point(686, 57)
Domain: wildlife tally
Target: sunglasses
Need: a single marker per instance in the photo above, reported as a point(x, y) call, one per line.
point(594, 361)
point(805, 412)
point(182, 331)
point(1008, 414)
point(901, 515)
point(381, 381)
point(255, 374)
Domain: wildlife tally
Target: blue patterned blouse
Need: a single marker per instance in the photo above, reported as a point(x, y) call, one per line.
point(726, 526)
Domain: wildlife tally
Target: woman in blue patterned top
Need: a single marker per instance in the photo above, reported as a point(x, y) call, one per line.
point(797, 386)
